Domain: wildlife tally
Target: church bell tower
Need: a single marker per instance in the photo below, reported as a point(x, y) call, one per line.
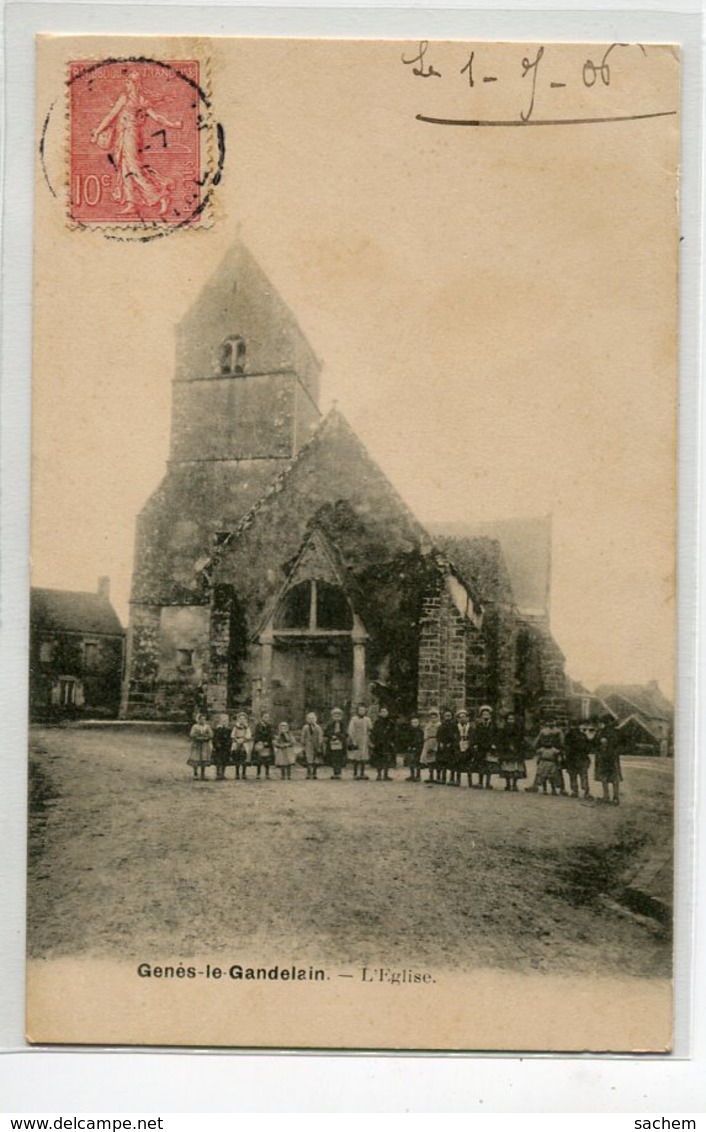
point(245, 400)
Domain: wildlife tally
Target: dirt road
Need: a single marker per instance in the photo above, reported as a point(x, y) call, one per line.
point(130, 857)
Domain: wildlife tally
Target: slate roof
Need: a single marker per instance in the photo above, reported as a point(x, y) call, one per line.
point(647, 699)
point(481, 564)
point(527, 551)
point(73, 612)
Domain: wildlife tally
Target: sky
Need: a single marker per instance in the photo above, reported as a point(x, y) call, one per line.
point(495, 310)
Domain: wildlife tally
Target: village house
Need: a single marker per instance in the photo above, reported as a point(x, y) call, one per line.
point(76, 654)
point(645, 717)
point(584, 706)
point(277, 567)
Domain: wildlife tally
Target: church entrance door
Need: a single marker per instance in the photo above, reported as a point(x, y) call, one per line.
point(311, 675)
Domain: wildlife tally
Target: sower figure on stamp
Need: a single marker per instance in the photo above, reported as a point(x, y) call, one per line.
point(383, 742)
point(577, 760)
point(359, 730)
point(122, 133)
point(335, 742)
point(313, 744)
point(201, 736)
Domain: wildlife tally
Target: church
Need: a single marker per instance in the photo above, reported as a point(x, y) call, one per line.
point(277, 568)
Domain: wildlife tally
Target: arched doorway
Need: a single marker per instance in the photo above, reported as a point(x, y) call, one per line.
point(312, 652)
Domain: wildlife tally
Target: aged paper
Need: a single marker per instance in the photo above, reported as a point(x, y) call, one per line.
point(354, 434)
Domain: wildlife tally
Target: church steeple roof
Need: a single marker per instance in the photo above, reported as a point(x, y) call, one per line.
point(239, 303)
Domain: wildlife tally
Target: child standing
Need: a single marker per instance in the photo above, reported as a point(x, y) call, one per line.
point(221, 746)
point(549, 745)
point(313, 744)
point(412, 744)
point(577, 759)
point(512, 763)
point(607, 770)
point(335, 742)
point(445, 748)
point(201, 736)
point(359, 729)
point(383, 742)
point(241, 737)
point(460, 760)
point(485, 755)
point(285, 750)
point(263, 754)
point(431, 731)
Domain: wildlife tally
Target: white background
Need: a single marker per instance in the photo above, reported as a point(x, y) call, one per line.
point(33, 1081)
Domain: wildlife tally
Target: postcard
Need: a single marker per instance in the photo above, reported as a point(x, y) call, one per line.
point(353, 543)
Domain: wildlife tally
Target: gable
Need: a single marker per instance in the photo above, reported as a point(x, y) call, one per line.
point(333, 473)
point(315, 563)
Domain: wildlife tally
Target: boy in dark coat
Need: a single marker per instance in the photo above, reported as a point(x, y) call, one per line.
point(577, 760)
point(383, 741)
point(607, 768)
point(511, 740)
point(462, 736)
point(485, 740)
point(411, 742)
point(221, 746)
point(263, 752)
point(445, 750)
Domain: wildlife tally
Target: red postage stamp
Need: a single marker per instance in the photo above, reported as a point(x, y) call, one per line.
point(135, 150)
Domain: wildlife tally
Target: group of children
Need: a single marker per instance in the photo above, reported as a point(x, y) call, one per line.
point(447, 747)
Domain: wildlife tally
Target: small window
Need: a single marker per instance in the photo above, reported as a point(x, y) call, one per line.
point(295, 611)
point(67, 693)
point(46, 651)
point(232, 355)
point(185, 658)
point(332, 608)
point(90, 654)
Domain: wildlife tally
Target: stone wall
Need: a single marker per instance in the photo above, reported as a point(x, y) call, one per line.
point(161, 682)
point(442, 652)
point(541, 674)
point(266, 416)
point(142, 662)
point(476, 669)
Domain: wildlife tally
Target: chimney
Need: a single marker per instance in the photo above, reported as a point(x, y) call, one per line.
point(104, 587)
